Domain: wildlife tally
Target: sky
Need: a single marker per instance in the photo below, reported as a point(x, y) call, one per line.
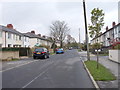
point(27, 15)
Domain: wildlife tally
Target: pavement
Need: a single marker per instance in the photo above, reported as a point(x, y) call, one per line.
point(59, 71)
point(112, 66)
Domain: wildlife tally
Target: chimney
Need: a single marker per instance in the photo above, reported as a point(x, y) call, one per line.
point(39, 35)
point(10, 26)
point(113, 24)
point(33, 32)
point(44, 36)
point(106, 28)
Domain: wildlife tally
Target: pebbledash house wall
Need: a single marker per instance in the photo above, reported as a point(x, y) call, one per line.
point(114, 55)
point(119, 12)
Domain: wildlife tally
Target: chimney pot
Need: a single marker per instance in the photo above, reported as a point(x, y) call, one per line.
point(39, 35)
point(33, 32)
point(10, 26)
point(113, 24)
point(106, 28)
point(44, 36)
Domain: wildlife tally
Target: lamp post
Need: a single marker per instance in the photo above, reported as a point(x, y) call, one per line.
point(86, 32)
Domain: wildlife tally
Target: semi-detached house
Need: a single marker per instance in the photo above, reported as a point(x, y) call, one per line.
point(10, 37)
point(36, 40)
point(110, 37)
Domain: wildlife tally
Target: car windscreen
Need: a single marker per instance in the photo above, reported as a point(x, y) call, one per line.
point(39, 50)
point(60, 49)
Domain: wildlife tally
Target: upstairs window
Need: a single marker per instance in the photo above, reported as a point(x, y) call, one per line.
point(20, 38)
point(9, 35)
point(0, 33)
point(16, 37)
point(115, 30)
point(25, 39)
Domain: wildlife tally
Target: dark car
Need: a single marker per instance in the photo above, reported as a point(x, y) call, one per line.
point(59, 51)
point(41, 53)
point(70, 48)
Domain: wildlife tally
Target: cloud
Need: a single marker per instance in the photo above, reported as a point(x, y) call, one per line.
point(59, 0)
point(27, 16)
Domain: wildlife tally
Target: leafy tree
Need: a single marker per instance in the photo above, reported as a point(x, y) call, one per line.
point(97, 21)
point(96, 45)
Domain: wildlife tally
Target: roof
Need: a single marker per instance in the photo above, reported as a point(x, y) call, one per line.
point(32, 35)
point(107, 31)
point(10, 30)
point(29, 34)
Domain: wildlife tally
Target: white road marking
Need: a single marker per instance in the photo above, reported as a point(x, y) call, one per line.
point(18, 66)
point(35, 78)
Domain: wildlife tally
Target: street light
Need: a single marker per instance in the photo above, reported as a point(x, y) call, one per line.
point(86, 32)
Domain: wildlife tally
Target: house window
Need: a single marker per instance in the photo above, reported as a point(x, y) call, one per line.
point(0, 33)
point(9, 45)
point(16, 38)
point(25, 39)
point(115, 30)
point(13, 36)
point(119, 31)
point(0, 45)
point(9, 35)
point(20, 38)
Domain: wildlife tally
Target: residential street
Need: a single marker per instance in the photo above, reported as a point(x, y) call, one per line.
point(59, 71)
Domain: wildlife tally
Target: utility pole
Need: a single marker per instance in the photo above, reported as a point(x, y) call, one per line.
point(79, 35)
point(86, 32)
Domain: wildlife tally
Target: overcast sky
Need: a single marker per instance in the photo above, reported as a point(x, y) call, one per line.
point(38, 15)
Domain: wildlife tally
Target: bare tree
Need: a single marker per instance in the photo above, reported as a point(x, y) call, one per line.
point(59, 31)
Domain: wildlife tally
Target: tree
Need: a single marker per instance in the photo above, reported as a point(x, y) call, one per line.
point(59, 31)
point(97, 21)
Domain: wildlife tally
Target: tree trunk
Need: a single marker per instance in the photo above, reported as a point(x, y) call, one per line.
point(97, 58)
point(61, 44)
point(97, 55)
point(54, 47)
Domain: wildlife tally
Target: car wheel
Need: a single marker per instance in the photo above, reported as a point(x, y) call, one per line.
point(45, 56)
point(48, 56)
point(34, 57)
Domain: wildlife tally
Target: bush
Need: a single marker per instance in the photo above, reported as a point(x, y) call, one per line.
point(117, 47)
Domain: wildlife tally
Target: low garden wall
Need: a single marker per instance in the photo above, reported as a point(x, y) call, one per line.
point(8, 55)
point(114, 55)
point(14, 53)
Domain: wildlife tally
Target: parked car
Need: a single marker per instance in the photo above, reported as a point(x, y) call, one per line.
point(41, 53)
point(70, 48)
point(59, 51)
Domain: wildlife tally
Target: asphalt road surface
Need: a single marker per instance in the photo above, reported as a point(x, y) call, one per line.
point(59, 71)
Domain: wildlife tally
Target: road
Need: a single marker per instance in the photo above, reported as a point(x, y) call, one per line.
point(59, 71)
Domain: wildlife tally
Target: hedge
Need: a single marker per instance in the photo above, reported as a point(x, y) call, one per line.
point(10, 49)
point(23, 51)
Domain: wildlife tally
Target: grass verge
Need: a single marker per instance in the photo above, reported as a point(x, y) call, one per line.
point(79, 50)
point(14, 59)
point(103, 54)
point(100, 74)
point(52, 53)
